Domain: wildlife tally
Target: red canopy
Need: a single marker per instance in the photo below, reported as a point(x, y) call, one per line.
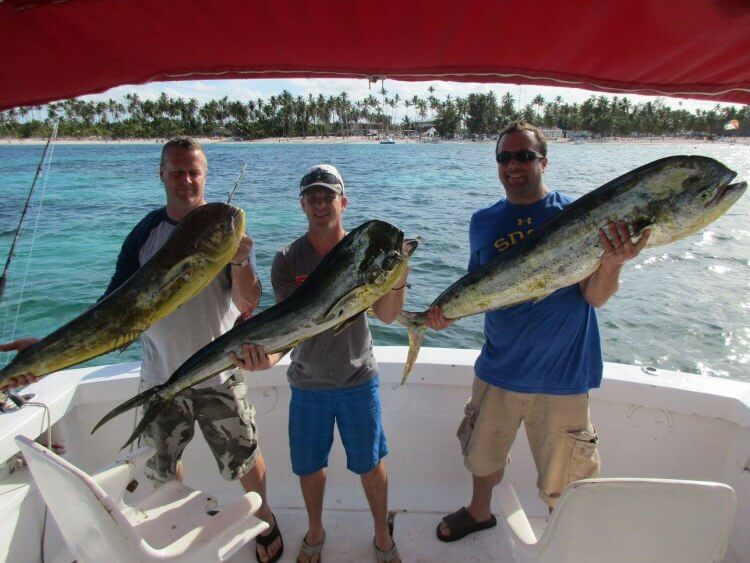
point(60, 49)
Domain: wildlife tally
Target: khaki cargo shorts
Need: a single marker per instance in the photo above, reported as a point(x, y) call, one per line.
point(226, 419)
point(562, 439)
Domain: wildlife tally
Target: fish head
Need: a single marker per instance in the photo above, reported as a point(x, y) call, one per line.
point(386, 254)
point(223, 226)
point(705, 195)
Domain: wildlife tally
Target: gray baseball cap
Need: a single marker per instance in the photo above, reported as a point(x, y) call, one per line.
point(323, 176)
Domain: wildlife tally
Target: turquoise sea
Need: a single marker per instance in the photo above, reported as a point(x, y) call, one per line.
point(685, 306)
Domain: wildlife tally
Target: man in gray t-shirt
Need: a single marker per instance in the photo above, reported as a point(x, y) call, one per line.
point(333, 378)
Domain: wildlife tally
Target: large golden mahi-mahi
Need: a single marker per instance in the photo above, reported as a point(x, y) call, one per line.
point(673, 197)
point(358, 271)
point(200, 246)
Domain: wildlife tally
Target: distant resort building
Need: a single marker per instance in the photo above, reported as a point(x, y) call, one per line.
point(553, 132)
point(579, 134)
point(425, 128)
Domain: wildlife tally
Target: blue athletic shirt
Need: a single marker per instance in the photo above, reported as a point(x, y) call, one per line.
point(550, 346)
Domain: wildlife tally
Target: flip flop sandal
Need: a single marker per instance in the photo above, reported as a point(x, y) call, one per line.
point(266, 541)
point(392, 553)
point(383, 555)
point(461, 524)
point(312, 550)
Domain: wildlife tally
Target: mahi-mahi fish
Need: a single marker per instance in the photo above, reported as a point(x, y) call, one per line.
point(673, 197)
point(358, 271)
point(200, 246)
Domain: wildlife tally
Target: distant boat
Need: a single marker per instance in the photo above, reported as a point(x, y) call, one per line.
point(388, 141)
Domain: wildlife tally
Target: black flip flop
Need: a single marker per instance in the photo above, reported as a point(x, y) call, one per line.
point(265, 541)
point(461, 524)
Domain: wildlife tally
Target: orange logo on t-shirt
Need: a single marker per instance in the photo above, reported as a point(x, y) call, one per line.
point(300, 280)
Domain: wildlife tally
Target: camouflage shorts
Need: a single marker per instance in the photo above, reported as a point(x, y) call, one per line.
point(226, 419)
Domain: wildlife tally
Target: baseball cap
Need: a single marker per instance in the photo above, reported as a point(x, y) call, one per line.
point(324, 176)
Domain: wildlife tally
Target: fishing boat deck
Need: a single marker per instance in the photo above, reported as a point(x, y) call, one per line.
point(653, 423)
point(349, 538)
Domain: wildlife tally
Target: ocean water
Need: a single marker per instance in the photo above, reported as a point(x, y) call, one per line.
point(684, 306)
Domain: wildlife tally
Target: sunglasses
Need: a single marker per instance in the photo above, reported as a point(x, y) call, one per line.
point(320, 176)
point(312, 199)
point(523, 156)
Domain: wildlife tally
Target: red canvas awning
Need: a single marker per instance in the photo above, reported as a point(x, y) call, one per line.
point(59, 49)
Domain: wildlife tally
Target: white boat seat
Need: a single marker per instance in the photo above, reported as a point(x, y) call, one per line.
point(171, 524)
point(626, 520)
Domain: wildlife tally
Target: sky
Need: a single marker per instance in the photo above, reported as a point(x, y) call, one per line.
point(357, 89)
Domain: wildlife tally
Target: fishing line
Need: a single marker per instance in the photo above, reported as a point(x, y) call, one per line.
point(51, 147)
point(237, 182)
point(50, 142)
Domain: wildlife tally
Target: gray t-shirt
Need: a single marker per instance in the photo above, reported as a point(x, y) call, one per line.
point(325, 361)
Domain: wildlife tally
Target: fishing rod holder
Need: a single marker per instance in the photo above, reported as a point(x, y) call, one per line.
point(14, 401)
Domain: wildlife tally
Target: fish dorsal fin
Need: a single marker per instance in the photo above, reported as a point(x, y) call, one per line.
point(126, 340)
point(343, 326)
point(540, 298)
point(285, 351)
point(335, 310)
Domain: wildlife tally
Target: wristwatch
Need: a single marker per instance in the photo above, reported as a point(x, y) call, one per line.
point(241, 263)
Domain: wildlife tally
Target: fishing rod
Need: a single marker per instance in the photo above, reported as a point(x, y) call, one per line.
point(237, 182)
point(4, 277)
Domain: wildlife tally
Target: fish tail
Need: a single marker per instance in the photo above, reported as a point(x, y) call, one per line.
point(416, 325)
point(136, 401)
point(154, 408)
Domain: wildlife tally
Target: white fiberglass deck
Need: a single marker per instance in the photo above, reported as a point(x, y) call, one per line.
point(652, 424)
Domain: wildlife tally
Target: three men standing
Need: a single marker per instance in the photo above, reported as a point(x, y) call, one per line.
point(537, 365)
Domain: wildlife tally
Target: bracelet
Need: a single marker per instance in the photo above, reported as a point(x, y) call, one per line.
point(401, 287)
point(241, 263)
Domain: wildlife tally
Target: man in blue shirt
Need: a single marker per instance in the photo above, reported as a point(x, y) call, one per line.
point(540, 358)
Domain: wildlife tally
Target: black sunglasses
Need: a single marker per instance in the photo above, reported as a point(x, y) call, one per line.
point(523, 156)
point(319, 176)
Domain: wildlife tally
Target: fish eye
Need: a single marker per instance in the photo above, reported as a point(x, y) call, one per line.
point(390, 261)
point(374, 276)
point(704, 194)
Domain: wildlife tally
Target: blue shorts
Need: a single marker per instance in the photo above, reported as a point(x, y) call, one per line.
point(356, 411)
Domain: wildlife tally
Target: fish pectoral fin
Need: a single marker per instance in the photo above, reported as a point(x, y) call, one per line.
point(343, 326)
point(176, 273)
point(338, 308)
point(641, 225)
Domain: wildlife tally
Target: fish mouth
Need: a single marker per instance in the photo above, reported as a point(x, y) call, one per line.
point(405, 247)
point(409, 246)
point(728, 190)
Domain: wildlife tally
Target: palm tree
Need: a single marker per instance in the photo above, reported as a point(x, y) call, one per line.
point(538, 102)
